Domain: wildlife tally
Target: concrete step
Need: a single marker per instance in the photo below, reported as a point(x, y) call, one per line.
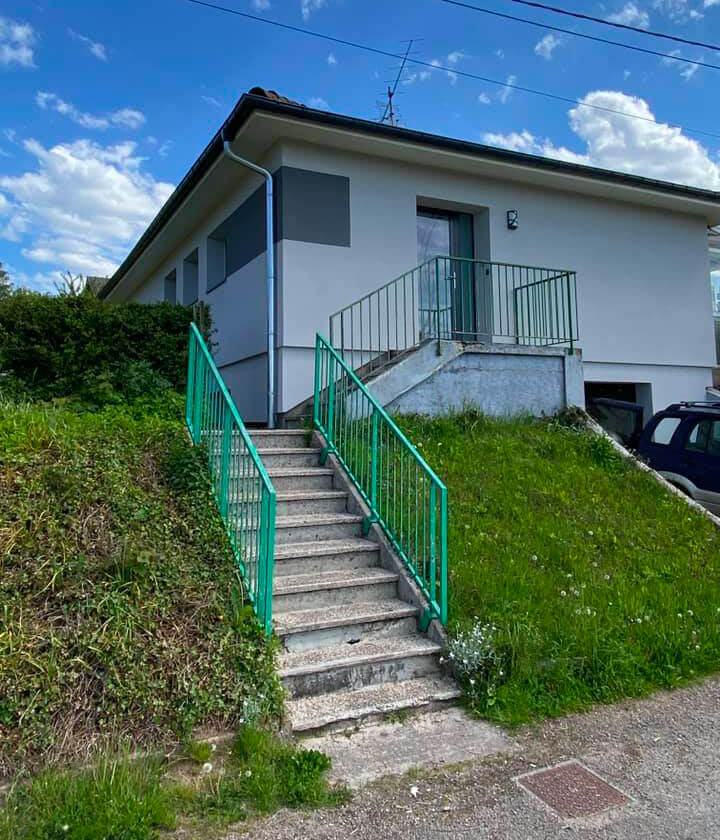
point(329, 589)
point(330, 626)
point(345, 709)
point(290, 456)
point(296, 503)
point(348, 666)
point(325, 556)
point(301, 479)
point(280, 438)
point(324, 526)
point(301, 503)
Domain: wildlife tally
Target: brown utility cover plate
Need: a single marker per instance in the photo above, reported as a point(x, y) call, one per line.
point(572, 790)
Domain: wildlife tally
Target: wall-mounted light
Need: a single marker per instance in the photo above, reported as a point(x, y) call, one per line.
point(512, 220)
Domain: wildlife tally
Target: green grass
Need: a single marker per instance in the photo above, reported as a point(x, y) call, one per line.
point(121, 799)
point(602, 584)
point(121, 616)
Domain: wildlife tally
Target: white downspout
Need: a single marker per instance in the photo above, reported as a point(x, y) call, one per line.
point(270, 266)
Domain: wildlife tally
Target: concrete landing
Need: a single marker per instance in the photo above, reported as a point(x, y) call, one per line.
point(433, 739)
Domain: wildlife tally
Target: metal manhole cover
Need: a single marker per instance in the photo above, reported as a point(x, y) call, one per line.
point(572, 790)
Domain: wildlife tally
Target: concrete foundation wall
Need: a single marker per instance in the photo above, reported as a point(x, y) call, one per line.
point(499, 381)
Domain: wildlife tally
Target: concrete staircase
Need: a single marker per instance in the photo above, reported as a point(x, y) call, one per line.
point(351, 646)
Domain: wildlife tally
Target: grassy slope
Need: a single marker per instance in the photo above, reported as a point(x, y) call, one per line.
point(120, 613)
point(603, 584)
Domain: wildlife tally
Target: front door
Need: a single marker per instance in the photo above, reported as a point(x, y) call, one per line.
point(448, 297)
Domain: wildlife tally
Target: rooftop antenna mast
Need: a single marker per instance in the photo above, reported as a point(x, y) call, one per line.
point(389, 114)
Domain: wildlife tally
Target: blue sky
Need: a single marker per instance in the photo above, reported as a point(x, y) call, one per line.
point(103, 107)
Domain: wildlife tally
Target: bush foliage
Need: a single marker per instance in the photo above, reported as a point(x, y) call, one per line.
point(58, 346)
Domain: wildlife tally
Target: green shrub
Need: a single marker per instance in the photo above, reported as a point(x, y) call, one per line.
point(58, 346)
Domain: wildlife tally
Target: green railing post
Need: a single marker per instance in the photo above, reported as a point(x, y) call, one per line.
point(199, 391)
point(190, 390)
point(369, 520)
point(225, 461)
point(437, 302)
point(443, 557)
point(569, 305)
point(330, 430)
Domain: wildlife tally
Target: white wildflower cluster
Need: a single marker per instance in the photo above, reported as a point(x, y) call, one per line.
point(475, 660)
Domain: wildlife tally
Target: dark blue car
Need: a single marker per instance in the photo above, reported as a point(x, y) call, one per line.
point(683, 444)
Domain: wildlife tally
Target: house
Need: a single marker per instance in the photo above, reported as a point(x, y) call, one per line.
point(359, 203)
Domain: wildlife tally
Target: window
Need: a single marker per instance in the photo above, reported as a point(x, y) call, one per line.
point(171, 287)
point(190, 278)
point(705, 438)
point(698, 437)
point(215, 262)
point(665, 429)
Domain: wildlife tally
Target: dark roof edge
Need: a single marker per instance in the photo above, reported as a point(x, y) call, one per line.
point(251, 102)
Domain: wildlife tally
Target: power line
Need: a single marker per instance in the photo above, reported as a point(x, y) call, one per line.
point(666, 56)
point(652, 32)
point(442, 68)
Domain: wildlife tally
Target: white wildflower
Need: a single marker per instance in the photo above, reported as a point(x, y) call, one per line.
point(207, 767)
point(248, 773)
point(414, 791)
point(563, 593)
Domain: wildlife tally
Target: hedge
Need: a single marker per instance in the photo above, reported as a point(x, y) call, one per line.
point(60, 346)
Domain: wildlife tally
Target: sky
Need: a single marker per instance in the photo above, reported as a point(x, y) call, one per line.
point(105, 106)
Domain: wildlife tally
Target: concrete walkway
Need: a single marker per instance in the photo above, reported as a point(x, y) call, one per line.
point(662, 753)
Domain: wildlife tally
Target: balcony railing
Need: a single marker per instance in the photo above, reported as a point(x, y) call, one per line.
point(455, 299)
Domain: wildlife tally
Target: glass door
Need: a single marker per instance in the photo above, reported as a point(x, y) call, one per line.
point(449, 296)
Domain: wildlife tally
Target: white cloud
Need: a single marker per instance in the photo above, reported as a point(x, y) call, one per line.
point(82, 205)
point(128, 117)
point(631, 15)
point(307, 7)
point(164, 149)
point(16, 43)
point(318, 102)
point(38, 282)
point(261, 5)
point(506, 91)
point(499, 53)
point(94, 47)
point(612, 141)
point(677, 10)
point(10, 133)
point(331, 60)
point(125, 117)
point(483, 99)
point(687, 71)
point(547, 45)
point(455, 57)
point(211, 100)
point(708, 3)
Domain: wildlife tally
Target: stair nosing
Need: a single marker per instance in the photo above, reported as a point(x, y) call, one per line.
point(406, 611)
point(348, 583)
point(299, 471)
point(300, 520)
point(324, 548)
point(367, 659)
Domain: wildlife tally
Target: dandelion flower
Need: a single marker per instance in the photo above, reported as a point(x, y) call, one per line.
point(563, 593)
point(248, 773)
point(207, 767)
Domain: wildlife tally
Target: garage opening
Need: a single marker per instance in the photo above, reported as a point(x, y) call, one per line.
point(635, 392)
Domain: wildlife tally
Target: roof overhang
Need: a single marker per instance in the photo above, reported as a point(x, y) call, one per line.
point(257, 123)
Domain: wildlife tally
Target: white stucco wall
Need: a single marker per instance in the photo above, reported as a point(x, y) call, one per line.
point(642, 272)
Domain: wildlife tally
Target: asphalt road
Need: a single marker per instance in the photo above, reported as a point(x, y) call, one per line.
point(662, 752)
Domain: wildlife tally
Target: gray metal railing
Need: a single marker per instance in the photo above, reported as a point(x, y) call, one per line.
point(456, 299)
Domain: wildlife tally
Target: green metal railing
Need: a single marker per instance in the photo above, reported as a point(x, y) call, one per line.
point(243, 490)
point(404, 495)
point(455, 299)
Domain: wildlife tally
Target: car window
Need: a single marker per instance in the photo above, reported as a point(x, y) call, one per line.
point(698, 438)
point(665, 429)
point(714, 441)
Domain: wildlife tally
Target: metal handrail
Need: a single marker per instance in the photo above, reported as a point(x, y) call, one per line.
point(404, 495)
point(461, 299)
point(244, 493)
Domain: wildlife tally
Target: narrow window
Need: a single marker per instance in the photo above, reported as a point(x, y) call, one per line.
point(171, 287)
point(216, 262)
point(190, 278)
